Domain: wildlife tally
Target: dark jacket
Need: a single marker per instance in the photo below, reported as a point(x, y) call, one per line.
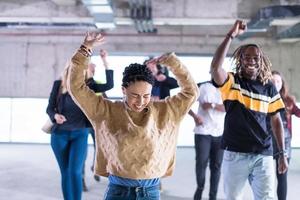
point(91, 83)
point(64, 104)
point(165, 86)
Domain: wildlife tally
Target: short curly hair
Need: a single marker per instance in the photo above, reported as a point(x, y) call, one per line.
point(137, 72)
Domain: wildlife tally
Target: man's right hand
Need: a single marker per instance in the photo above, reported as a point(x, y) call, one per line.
point(238, 28)
point(282, 164)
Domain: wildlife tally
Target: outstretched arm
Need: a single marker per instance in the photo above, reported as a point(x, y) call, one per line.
point(180, 103)
point(218, 74)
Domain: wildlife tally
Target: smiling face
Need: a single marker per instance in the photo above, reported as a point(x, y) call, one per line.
point(137, 95)
point(277, 81)
point(251, 62)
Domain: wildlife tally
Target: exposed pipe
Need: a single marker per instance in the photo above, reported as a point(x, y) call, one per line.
point(261, 22)
point(141, 14)
point(109, 34)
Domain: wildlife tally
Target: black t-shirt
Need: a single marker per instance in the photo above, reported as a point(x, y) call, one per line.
point(247, 104)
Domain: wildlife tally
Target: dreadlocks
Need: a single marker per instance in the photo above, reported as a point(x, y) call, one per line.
point(264, 73)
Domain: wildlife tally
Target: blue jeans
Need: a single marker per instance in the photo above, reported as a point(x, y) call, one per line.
point(92, 132)
point(258, 169)
point(118, 192)
point(70, 148)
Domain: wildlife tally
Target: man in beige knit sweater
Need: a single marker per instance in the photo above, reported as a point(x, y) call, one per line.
point(135, 138)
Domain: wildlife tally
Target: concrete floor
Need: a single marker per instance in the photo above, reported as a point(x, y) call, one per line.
point(30, 172)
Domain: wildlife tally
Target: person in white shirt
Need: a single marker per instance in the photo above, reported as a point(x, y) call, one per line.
point(209, 125)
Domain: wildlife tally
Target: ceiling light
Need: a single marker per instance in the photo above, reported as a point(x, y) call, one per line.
point(97, 2)
point(100, 9)
point(103, 25)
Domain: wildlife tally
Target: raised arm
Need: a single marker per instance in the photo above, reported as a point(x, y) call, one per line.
point(188, 94)
point(103, 55)
point(91, 104)
point(218, 73)
point(109, 74)
point(171, 82)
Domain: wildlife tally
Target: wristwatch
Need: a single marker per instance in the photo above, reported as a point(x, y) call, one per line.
point(282, 153)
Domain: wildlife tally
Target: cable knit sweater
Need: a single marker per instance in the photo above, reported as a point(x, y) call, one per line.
point(130, 144)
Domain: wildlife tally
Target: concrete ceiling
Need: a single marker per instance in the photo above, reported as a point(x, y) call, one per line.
point(52, 29)
point(184, 19)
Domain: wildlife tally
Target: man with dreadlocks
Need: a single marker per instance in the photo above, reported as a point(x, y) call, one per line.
point(135, 138)
point(249, 97)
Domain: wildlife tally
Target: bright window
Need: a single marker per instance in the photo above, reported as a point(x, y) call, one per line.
point(198, 66)
point(22, 118)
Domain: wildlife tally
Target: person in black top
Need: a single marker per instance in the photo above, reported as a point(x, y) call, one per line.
point(70, 132)
point(162, 85)
point(209, 123)
point(163, 82)
point(249, 97)
point(286, 115)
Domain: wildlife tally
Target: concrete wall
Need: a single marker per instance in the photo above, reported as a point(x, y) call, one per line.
point(30, 63)
point(33, 57)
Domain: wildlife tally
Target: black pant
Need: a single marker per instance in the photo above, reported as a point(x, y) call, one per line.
point(208, 149)
point(281, 183)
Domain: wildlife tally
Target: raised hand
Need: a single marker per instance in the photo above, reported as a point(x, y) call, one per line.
point(153, 61)
point(160, 77)
point(163, 57)
point(157, 60)
point(93, 39)
point(103, 53)
point(238, 28)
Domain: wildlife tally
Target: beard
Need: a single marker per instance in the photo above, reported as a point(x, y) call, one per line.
point(250, 72)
